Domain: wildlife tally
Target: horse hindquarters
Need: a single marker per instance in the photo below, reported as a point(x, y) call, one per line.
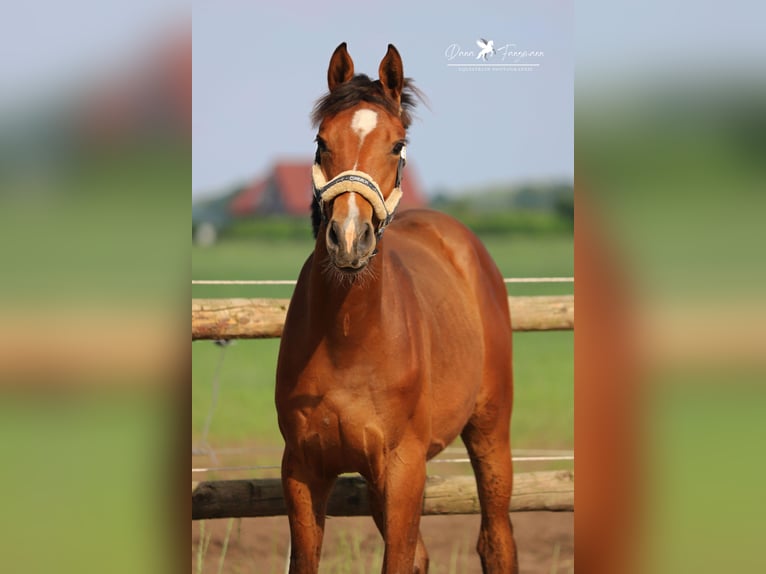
point(491, 461)
point(487, 434)
point(487, 439)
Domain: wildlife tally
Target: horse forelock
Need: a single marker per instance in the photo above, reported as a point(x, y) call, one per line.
point(360, 89)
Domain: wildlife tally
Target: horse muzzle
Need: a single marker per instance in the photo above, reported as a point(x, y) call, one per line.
point(350, 244)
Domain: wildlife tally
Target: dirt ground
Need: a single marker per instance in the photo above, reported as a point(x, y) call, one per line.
point(353, 545)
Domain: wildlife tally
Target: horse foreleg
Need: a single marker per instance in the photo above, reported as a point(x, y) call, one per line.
point(377, 507)
point(491, 460)
point(421, 557)
point(306, 500)
point(396, 505)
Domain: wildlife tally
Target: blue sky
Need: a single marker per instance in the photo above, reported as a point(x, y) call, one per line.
point(259, 68)
point(46, 47)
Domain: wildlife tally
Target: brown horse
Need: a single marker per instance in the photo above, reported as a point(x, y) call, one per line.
point(393, 346)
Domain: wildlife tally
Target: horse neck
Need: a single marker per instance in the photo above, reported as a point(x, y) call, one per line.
point(333, 298)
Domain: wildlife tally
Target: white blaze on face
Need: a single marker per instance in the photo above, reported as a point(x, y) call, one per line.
point(349, 225)
point(362, 123)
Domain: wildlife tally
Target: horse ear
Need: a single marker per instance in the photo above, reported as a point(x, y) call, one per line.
point(391, 74)
point(341, 67)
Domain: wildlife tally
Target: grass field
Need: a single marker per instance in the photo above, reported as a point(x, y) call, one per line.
point(245, 414)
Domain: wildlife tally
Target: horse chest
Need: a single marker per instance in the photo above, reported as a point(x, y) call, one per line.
point(354, 407)
point(342, 433)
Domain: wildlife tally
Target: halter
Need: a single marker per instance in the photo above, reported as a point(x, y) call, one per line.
point(363, 184)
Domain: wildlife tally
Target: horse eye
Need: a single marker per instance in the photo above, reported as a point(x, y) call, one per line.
point(321, 145)
point(397, 148)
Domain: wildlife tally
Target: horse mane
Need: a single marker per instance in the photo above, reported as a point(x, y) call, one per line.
point(359, 89)
point(316, 217)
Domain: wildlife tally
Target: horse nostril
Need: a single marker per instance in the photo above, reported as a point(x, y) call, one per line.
point(365, 240)
point(332, 235)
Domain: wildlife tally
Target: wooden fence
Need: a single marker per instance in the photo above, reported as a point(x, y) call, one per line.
point(551, 490)
point(265, 318)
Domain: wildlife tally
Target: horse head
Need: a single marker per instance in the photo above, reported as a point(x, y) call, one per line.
point(361, 138)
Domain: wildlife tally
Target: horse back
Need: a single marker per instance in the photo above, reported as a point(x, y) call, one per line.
point(459, 295)
point(436, 247)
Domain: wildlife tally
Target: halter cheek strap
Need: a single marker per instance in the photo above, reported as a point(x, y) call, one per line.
point(363, 184)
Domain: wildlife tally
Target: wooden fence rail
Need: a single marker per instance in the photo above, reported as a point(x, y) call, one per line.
point(550, 490)
point(265, 318)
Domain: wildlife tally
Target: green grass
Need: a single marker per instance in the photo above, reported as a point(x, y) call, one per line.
point(241, 258)
point(703, 476)
point(70, 451)
point(245, 411)
point(543, 362)
point(543, 408)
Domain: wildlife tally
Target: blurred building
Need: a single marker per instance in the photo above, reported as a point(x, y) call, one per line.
point(286, 189)
point(143, 100)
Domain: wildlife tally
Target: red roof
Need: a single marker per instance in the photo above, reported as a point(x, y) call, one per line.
point(293, 180)
point(246, 201)
point(290, 183)
point(151, 93)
